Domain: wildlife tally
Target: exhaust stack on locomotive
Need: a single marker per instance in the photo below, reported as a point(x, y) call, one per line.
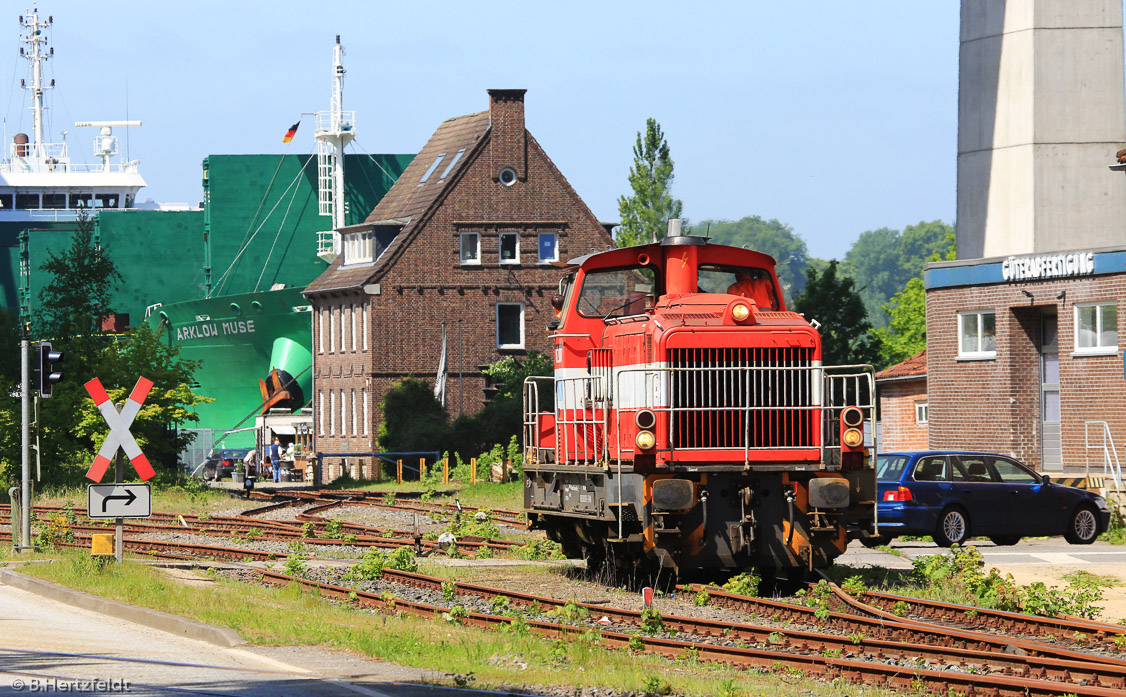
point(690, 422)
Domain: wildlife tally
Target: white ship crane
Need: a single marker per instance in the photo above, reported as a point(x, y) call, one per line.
point(335, 129)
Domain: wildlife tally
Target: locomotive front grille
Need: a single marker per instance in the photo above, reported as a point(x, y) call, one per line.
point(742, 398)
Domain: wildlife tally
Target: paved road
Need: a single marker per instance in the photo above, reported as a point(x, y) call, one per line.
point(47, 646)
point(1054, 551)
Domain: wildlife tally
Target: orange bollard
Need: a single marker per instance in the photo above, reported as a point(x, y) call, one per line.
point(399, 471)
point(421, 468)
point(473, 470)
point(445, 470)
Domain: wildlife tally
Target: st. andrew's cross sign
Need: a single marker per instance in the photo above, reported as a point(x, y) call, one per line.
point(119, 435)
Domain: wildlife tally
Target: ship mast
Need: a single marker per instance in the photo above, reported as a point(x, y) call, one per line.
point(335, 129)
point(37, 39)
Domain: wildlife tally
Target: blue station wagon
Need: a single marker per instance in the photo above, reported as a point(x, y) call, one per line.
point(955, 495)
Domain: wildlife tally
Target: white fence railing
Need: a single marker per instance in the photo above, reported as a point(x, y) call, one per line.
point(1112, 467)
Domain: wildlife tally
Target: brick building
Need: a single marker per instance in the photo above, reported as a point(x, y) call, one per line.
point(466, 237)
point(1023, 353)
point(904, 410)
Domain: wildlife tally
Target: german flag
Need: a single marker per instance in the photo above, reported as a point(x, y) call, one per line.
point(291, 132)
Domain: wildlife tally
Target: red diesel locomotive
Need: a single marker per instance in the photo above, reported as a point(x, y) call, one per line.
point(689, 422)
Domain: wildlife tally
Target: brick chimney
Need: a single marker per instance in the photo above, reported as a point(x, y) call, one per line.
point(509, 147)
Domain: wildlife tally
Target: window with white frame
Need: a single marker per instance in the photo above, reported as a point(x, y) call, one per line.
point(470, 248)
point(332, 330)
point(364, 311)
point(922, 413)
point(977, 334)
point(1096, 328)
point(343, 414)
point(510, 248)
point(331, 413)
point(510, 325)
point(321, 333)
point(366, 418)
point(355, 415)
point(343, 329)
point(355, 311)
point(321, 410)
point(548, 247)
point(359, 248)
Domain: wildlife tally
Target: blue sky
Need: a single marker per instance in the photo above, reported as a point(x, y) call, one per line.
point(834, 117)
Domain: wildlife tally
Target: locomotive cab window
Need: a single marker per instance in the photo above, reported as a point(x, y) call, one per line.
point(749, 282)
point(617, 292)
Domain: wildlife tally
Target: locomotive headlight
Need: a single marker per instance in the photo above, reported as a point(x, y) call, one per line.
point(645, 440)
point(852, 437)
point(740, 312)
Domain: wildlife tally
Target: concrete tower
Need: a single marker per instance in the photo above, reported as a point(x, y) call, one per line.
point(1040, 115)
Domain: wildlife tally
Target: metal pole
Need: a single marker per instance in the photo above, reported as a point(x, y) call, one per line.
point(25, 437)
point(118, 528)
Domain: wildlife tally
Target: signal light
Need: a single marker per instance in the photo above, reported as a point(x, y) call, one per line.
point(901, 494)
point(645, 440)
point(48, 376)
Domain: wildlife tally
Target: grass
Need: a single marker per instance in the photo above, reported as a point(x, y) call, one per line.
point(509, 495)
point(296, 616)
point(190, 498)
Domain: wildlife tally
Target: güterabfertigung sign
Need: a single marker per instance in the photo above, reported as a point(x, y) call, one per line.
point(1048, 266)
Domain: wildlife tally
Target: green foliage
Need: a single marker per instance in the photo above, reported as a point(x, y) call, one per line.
point(743, 584)
point(375, 561)
point(498, 604)
point(769, 237)
point(651, 621)
point(457, 615)
point(655, 686)
point(449, 591)
point(308, 529)
point(702, 598)
point(1116, 531)
point(646, 212)
point(539, 550)
point(295, 565)
point(508, 374)
point(882, 261)
point(906, 332)
point(82, 278)
point(569, 612)
point(413, 418)
point(462, 526)
point(333, 529)
point(636, 644)
point(854, 585)
point(557, 654)
point(846, 336)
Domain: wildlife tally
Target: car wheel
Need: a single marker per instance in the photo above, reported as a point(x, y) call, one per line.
point(1083, 527)
point(875, 541)
point(1005, 540)
point(953, 528)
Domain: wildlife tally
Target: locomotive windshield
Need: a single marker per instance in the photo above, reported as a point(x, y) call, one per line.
point(618, 292)
point(750, 282)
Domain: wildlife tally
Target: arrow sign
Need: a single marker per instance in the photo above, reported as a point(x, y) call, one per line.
point(118, 501)
point(119, 435)
point(128, 498)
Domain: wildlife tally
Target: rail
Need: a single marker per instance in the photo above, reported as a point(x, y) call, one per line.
point(1111, 466)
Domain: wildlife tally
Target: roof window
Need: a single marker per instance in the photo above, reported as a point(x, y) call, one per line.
point(437, 161)
point(453, 162)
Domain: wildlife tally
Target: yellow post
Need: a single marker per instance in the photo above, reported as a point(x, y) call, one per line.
point(445, 470)
point(399, 471)
point(472, 470)
point(421, 468)
point(101, 544)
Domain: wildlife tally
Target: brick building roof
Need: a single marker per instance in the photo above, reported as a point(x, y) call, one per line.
point(405, 205)
point(913, 367)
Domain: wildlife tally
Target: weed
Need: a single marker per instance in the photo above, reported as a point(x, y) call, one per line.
point(854, 586)
point(449, 591)
point(1119, 642)
point(727, 688)
point(389, 498)
point(352, 596)
point(651, 621)
point(348, 538)
point(900, 608)
point(388, 599)
point(483, 553)
point(743, 584)
point(831, 653)
point(457, 615)
point(539, 550)
point(570, 612)
point(498, 604)
point(253, 534)
point(518, 626)
point(655, 686)
point(1116, 530)
point(856, 637)
point(375, 561)
point(298, 547)
point(775, 637)
point(333, 529)
point(702, 598)
point(691, 656)
point(462, 681)
point(295, 565)
point(558, 652)
point(308, 529)
point(636, 644)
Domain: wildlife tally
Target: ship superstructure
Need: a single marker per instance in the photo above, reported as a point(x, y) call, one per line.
point(39, 181)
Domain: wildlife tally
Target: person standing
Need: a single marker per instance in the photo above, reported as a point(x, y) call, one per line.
point(275, 457)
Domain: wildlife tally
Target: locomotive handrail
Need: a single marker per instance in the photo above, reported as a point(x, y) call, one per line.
point(823, 400)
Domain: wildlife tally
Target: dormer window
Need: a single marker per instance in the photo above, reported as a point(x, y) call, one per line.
point(359, 248)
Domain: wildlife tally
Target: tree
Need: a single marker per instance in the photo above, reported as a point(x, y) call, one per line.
point(413, 419)
point(645, 214)
point(77, 297)
point(846, 335)
point(882, 261)
point(769, 237)
point(906, 333)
